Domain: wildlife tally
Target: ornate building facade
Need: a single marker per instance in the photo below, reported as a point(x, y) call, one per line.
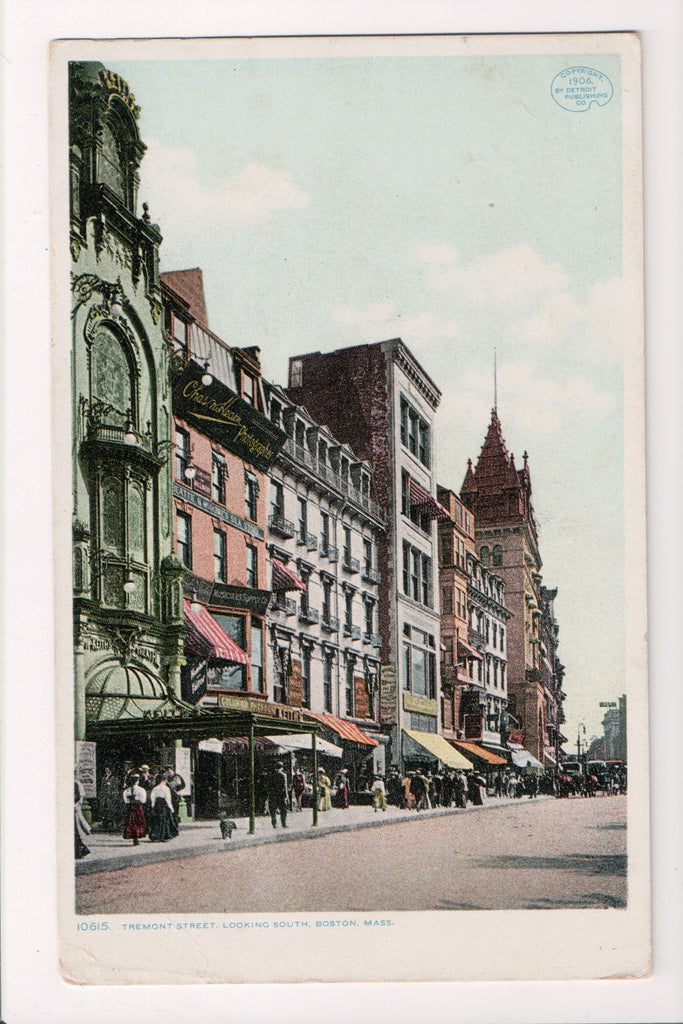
point(499, 496)
point(127, 583)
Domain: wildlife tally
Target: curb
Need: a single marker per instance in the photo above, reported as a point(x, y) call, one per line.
point(158, 856)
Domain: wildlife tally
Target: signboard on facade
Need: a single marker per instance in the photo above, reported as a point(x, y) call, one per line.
point(86, 767)
point(227, 702)
point(421, 705)
point(183, 766)
point(608, 704)
point(222, 415)
point(387, 695)
point(241, 597)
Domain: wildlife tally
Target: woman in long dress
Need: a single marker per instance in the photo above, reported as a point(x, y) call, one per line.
point(163, 825)
point(342, 795)
point(324, 788)
point(135, 797)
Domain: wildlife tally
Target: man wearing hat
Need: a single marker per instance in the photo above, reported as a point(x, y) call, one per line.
point(277, 795)
point(147, 783)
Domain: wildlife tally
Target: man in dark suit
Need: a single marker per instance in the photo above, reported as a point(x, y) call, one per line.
point(277, 795)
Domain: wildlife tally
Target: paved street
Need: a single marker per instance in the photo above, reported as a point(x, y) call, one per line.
point(544, 854)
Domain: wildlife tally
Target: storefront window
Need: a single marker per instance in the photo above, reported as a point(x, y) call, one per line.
point(223, 675)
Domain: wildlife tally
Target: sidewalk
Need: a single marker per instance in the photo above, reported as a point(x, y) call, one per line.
point(110, 852)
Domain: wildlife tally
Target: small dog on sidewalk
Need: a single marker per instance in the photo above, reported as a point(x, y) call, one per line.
point(227, 826)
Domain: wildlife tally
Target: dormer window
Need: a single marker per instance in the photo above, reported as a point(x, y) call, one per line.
point(249, 388)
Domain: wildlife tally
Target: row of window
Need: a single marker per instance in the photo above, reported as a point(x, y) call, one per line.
point(454, 601)
point(326, 454)
point(490, 674)
point(452, 549)
point(325, 543)
point(220, 556)
point(417, 575)
point(351, 670)
point(415, 432)
point(489, 557)
point(493, 633)
point(185, 472)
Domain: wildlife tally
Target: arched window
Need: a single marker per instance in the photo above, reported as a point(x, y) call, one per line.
point(484, 554)
point(497, 555)
point(112, 378)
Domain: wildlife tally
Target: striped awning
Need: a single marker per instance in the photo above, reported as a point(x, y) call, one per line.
point(426, 503)
point(205, 633)
point(345, 729)
point(474, 750)
point(468, 651)
point(285, 578)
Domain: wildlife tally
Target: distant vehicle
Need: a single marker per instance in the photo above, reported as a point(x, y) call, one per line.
point(573, 768)
point(600, 770)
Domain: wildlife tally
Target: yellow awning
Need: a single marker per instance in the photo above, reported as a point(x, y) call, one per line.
point(440, 748)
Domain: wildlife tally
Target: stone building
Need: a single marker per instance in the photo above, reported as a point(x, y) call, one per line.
point(324, 535)
point(458, 657)
point(380, 401)
point(499, 496)
point(127, 583)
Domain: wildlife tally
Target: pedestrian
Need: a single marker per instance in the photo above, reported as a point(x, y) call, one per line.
point(163, 824)
point(409, 801)
point(135, 798)
point(475, 787)
point(81, 826)
point(109, 801)
point(277, 795)
point(379, 799)
point(418, 786)
point(175, 784)
point(341, 797)
point(394, 789)
point(447, 789)
point(324, 790)
point(460, 790)
point(146, 781)
point(298, 788)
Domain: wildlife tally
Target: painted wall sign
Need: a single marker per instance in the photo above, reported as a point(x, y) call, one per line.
point(224, 416)
point(217, 511)
point(258, 707)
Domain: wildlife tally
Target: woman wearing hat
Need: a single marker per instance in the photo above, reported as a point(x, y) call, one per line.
point(163, 825)
point(135, 798)
point(324, 787)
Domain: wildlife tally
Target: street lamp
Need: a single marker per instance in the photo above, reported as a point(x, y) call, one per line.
point(581, 728)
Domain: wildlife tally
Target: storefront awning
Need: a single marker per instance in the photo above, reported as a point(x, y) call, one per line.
point(439, 748)
point(207, 631)
point(476, 751)
point(549, 757)
point(304, 741)
point(467, 650)
point(426, 503)
point(285, 578)
point(345, 729)
point(522, 758)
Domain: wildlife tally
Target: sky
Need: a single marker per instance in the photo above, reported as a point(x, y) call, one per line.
point(448, 201)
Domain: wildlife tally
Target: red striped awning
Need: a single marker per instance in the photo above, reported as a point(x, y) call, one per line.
point(468, 651)
point(476, 751)
point(285, 578)
point(202, 629)
point(345, 729)
point(425, 503)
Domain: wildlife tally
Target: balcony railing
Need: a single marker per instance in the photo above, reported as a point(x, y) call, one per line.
point(325, 472)
point(310, 615)
point(371, 575)
point(476, 638)
point(307, 540)
point(284, 604)
point(374, 639)
point(352, 631)
point(331, 553)
point(350, 565)
point(329, 623)
point(283, 527)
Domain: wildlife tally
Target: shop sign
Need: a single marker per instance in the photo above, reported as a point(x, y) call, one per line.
point(226, 702)
point(245, 598)
point(421, 705)
point(222, 415)
point(388, 694)
point(517, 737)
point(226, 515)
point(86, 767)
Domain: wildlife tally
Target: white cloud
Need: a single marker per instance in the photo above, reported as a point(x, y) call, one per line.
point(382, 320)
point(529, 403)
point(593, 328)
point(252, 194)
point(514, 277)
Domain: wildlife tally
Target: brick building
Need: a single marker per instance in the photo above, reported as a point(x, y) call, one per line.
point(379, 400)
point(224, 444)
point(324, 534)
point(499, 496)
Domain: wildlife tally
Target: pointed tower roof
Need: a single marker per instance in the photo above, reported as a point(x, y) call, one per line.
point(492, 473)
point(469, 487)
